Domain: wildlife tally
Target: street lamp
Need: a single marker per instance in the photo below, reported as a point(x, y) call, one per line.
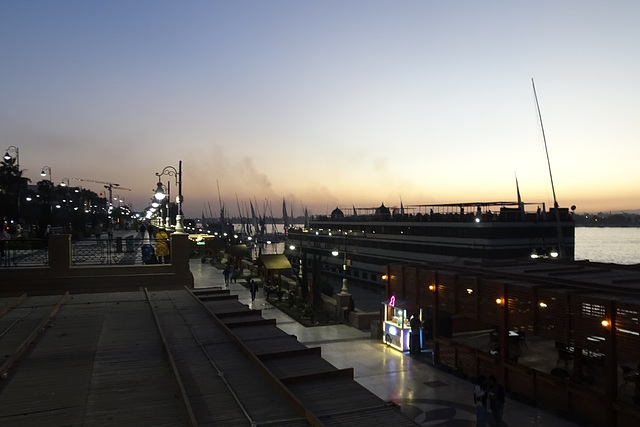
point(299, 256)
point(344, 289)
point(159, 197)
point(43, 173)
point(8, 156)
point(156, 220)
point(65, 182)
point(171, 171)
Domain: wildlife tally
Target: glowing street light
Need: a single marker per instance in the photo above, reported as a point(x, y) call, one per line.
point(344, 289)
point(43, 173)
point(177, 173)
point(8, 156)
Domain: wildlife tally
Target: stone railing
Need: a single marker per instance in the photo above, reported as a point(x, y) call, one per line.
point(61, 275)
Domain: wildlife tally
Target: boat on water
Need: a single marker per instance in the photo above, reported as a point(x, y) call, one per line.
point(445, 233)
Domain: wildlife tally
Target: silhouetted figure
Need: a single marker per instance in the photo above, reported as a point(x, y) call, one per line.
point(162, 246)
point(415, 324)
point(225, 273)
point(480, 400)
point(253, 288)
point(496, 399)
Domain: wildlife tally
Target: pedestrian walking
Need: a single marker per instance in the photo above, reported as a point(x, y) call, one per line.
point(142, 232)
point(232, 273)
point(225, 273)
point(253, 288)
point(496, 399)
point(480, 400)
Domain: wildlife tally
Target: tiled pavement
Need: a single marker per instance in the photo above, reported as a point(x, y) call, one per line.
point(429, 396)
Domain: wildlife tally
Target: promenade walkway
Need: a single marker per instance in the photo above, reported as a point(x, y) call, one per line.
point(427, 395)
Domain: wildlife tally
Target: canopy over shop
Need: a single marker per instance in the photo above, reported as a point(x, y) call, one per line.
point(275, 266)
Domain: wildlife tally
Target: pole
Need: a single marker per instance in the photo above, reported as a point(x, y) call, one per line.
point(344, 289)
point(179, 224)
point(167, 218)
point(556, 207)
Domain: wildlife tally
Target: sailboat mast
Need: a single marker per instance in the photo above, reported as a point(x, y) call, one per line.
point(544, 139)
point(553, 188)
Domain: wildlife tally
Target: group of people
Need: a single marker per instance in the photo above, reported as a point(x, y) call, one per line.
point(488, 393)
point(161, 253)
point(229, 273)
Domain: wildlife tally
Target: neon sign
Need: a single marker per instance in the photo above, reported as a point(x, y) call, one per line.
point(392, 301)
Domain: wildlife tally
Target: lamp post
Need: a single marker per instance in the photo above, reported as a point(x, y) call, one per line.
point(154, 207)
point(65, 183)
point(344, 289)
point(159, 197)
point(43, 173)
point(167, 221)
point(8, 156)
point(177, 173)
point(299, 257)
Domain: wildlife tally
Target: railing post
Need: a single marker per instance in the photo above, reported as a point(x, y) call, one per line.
point(180, 257)
point(59, 253)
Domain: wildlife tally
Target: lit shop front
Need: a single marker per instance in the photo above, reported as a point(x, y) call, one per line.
point(397, 325)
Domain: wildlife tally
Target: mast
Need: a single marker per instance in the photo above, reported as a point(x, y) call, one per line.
point(561, 252)
point(222, 220)
point(242, 226)
point(285, 217)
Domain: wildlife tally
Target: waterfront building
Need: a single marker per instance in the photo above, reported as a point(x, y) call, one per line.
point(373, 238)
point(564, 335)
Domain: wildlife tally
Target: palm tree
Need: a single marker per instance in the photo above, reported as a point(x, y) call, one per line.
point(12, 186)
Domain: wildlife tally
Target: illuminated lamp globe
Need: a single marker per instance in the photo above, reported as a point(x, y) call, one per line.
point(160, 192)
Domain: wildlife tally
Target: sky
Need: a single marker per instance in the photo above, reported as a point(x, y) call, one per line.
point(327, 103)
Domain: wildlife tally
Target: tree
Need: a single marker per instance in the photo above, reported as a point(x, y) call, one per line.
point(12, 186)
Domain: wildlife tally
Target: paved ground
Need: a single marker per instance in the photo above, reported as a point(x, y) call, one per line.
point(429, 396)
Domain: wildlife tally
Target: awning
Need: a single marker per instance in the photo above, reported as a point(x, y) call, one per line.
point(275, 262)
point(239, 250)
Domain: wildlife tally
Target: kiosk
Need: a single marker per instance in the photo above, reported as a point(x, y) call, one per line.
point(396, 330)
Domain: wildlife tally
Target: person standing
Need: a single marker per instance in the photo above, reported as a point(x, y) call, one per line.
point(232, 273)
point(496, 399)
point(142, 232)
point(4, 241)
point(416, 324)
point(162, 246)
point(97, 231)
point(253, 288)
point(225, 273)
point(480, 400)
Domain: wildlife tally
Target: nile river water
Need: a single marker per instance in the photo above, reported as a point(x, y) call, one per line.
point(619, 245)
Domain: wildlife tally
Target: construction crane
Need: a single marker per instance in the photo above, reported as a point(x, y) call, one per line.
point(108, 185)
